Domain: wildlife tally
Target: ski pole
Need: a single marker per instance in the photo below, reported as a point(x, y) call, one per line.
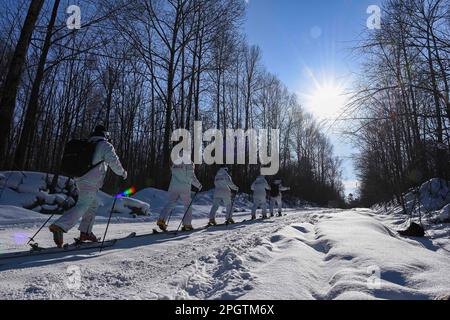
point(128, 192)
point(40, 229)
point(109, 221)
point(187, 210)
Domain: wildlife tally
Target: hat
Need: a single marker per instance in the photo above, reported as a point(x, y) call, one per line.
point(101, 131)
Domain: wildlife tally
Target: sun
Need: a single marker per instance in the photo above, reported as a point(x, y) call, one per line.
point(326, 99)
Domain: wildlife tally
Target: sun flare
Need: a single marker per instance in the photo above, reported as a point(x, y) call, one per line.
point(326, 99)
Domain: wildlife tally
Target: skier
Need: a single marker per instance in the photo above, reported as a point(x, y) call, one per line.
point(222, 195)
point(88, 186)
point(259, 188)
point(276, 197)
point(183, 177)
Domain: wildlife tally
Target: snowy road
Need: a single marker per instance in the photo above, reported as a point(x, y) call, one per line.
point(311, 254)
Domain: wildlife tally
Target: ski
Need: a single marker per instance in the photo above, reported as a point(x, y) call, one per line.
point(36, 250)
point(173, 232)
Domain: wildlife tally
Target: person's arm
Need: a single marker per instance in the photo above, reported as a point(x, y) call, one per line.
point(231, 185)
point(268, 187)
point(253, 186)
point(195, 182)
point(285, 189)
point(112, 160)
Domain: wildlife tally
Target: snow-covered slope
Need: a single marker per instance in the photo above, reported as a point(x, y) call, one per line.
point(428, 201)
point(309, 254)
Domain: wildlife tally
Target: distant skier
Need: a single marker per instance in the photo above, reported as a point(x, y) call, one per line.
point(259, 188)
point(104, 157)
point(276, 197)
point(183, 178)
point(222, 195)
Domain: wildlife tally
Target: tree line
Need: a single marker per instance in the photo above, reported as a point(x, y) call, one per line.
point(144, 68)
point(400, 110)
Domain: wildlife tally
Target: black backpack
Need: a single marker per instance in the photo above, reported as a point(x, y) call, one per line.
point(77, 158)
point(275, 190)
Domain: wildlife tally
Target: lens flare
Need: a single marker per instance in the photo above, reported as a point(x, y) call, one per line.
point(127, 193)
point(20, 238)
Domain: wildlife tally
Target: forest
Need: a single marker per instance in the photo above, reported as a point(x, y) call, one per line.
point(144, 68)
point(399, 113)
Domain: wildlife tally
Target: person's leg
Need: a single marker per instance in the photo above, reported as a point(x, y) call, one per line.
point(186, 198)
point(70, 218)
point(280, 205)
point(227, 203)
point(255, 206)
point(171, 203)
point(87, 223)
point(272, 205)
point(264, 208)
point(214, 208)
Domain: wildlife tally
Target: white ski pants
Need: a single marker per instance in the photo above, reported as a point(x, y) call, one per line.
point(226, 201)
point(276, 201)
point(85, 208)
point(259, 203)
point(172, 202)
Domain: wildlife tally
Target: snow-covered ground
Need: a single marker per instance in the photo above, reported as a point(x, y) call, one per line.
point(309, 253)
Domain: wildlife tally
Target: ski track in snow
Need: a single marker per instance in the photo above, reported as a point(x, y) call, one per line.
point(311, 254)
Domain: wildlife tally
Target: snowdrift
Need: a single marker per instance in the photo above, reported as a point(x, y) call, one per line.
point(349, 255)
point(30, 190)
point(431, 200)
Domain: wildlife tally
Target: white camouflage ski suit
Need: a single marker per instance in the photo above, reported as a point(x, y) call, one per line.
point(183, 177)
point(259, 188)
point(89, 185)
point(222, 195)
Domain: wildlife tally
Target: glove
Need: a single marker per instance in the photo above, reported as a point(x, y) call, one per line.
point(125, 175)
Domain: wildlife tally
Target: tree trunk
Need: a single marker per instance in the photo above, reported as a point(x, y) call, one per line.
point(10, 87)
point(32, 110)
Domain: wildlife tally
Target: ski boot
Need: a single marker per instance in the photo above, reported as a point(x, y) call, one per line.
point(253, 218)
point(58, 235)
point(187, 227)
point(265, 217)
point(162, 225)
point(88, 237)
point(272, 215)
point(279, 215)
point(212, 223)
point(230, 221)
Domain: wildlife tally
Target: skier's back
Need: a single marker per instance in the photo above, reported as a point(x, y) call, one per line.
point(88, 185)
point(259, 188)
point(222, 195)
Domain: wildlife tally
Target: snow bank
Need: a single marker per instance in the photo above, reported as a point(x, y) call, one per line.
point(10, 215)
point(348, 256)
point(444, 214)
point(428, 201)
point(30, 190)
point(132, 206)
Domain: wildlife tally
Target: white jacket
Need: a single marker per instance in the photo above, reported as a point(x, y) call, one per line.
point(259, 188)
point(224, 184)
point(183, 177)
point(104, 152)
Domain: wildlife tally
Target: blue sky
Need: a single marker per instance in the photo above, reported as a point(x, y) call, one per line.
point(307, 45)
